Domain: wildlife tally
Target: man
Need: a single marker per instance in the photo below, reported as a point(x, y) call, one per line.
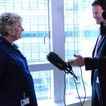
point(97, 63)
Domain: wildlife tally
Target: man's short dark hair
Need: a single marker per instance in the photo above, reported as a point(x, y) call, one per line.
point(102, 3)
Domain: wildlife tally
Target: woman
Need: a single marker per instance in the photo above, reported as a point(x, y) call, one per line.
point(16, 83)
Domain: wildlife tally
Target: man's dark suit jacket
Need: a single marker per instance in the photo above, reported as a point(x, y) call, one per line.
point(15, 78)
point(100, 64)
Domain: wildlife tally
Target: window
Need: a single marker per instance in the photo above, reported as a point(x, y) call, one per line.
point(80, 34)
point(34, 43)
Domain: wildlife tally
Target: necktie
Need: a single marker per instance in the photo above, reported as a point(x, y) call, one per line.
point(99, 38)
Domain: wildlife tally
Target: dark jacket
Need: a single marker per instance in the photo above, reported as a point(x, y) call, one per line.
point(100, 64)
point(15, 77)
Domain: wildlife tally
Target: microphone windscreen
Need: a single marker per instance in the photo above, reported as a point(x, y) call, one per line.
point(104, 14)
point(56, 61)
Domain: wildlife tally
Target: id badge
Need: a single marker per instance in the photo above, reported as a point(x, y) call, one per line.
point(24, 101)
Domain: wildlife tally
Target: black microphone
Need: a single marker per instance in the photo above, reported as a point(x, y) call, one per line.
point(104, 14)
point(56, 61)
point(59, 63)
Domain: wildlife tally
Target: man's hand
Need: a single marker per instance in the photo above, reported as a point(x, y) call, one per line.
point(79, 61)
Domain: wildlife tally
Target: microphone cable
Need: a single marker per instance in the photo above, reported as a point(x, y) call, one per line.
point(83, 86)
point(81, 103)
point(59, 63)
point(64, 90)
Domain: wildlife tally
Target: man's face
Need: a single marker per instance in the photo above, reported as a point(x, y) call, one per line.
point(97, 13)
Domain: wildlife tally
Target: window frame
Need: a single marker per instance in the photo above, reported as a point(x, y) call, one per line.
point(58, 46)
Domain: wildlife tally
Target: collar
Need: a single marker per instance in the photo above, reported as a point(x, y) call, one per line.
point(7, 43)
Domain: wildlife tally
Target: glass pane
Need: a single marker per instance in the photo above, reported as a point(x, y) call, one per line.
point(35, 24)
point(42, 84)
point(78, 35)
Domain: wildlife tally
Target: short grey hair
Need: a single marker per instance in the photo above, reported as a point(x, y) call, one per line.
point(7, 23)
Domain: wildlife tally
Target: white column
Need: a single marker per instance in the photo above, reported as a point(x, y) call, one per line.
point(58, 45)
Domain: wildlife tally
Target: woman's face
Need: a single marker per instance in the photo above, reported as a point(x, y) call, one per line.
point(18, 30)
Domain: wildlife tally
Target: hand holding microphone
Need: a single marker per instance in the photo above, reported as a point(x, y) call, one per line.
point(59, 63)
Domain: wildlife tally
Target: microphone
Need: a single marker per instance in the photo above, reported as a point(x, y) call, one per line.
point(59, 63)
point(56, 61)
point(104, 14)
